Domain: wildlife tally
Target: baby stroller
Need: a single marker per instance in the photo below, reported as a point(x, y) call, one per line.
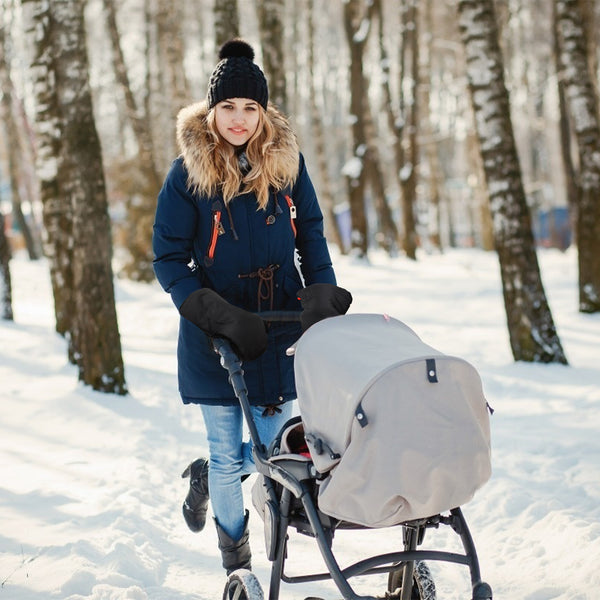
point(391, 433)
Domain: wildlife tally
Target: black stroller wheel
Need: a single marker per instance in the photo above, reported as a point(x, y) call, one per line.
point(423, 586)
point(242, 585)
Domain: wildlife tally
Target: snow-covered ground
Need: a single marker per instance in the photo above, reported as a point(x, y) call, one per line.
point(90, 487)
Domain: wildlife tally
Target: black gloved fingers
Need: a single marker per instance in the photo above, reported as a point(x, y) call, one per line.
point(322, 300)
point(218, 318)
point(325, 296)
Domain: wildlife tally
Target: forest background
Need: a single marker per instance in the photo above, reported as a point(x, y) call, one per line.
point(426, 125)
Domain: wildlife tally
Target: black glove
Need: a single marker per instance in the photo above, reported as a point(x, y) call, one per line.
point(322, 300)
point(217, 318)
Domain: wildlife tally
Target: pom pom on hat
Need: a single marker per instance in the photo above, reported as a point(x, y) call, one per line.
point(237, 48)
point(237, 76)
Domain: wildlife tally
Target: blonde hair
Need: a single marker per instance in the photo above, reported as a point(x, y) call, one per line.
point(270, 163)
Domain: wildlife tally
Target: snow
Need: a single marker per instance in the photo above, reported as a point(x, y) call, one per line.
point(352, 168)
point(90, 493)
point(363, 31)
point(406, 171)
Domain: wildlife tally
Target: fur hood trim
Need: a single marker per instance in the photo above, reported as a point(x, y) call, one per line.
point(195, 143)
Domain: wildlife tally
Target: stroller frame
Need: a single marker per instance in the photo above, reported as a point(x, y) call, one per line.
point(292, 475)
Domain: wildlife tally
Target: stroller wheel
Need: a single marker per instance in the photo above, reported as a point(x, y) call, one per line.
point(242, 585)
point(423, 586)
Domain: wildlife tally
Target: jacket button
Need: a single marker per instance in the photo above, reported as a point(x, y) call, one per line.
point(280, 398)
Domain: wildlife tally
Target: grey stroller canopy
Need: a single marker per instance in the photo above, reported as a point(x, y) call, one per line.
point(401, 428)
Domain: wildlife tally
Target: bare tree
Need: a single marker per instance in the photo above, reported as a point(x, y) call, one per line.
point(387, 235)
point(75, 164)
point(227, 21)
point(318, 132)
point(57, 210)
point(582, 103)
point(172, 51)
point(531, 328)
point(408, 176)
point(143, 172)
point(355, 16)
point(572, 187)
point(270, 26)
point(428, 142)
point(6, 311)
point(14, 149)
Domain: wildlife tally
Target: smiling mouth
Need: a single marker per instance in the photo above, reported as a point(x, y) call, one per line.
point(238, 131)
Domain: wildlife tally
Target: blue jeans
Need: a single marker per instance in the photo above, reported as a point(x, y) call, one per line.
point(231, 457)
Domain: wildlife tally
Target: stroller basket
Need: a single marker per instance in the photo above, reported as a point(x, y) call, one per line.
point(392, 433)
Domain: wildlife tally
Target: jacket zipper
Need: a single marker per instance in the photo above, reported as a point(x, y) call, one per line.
point(292, 208)
point(216, 228)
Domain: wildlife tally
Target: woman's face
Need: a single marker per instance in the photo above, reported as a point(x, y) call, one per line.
point(236, 119)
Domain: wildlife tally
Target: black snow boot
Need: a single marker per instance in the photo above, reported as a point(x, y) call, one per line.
point(235, 555)
point(196, 501)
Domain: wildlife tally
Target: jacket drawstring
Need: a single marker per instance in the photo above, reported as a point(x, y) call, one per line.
point(265, 283)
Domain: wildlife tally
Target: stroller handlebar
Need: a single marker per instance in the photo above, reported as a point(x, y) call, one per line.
point(280, 316)
point(231, 362)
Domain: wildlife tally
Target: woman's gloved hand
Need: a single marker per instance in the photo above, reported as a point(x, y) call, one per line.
point(322, 300)
point(218, 318)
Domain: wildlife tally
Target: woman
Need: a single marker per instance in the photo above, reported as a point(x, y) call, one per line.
point(235, 207)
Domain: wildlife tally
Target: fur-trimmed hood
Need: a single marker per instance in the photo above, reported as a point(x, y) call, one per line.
point(194, 140)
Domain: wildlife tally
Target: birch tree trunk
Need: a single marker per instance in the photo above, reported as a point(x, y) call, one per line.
point(270, 25)
point(56, 209)
point(79, 180)
point(583, 109)
point(531, 328)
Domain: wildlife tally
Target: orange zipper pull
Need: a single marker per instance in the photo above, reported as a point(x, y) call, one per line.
point(217, 229)
point(292, 208)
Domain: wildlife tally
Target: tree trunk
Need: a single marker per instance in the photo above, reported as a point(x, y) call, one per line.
point(572, 188)
point(170, 43)
point(227, 21)
point(6, 311)
point(332, 231)
point(355, 168)
point(480, 193)
point(387, 235)
point(141, 205)
point(56, 208)
point(13, 149)
point(270, 25)
point(79, 179)
point(408, 177)
point(395, 120)
point(430, 146)
point(583, 109)
point(531, 328)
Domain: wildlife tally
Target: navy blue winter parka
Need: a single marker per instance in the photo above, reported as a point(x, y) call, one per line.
point(248, 256)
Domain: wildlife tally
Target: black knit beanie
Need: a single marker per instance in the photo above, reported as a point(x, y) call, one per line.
point(237, 76)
